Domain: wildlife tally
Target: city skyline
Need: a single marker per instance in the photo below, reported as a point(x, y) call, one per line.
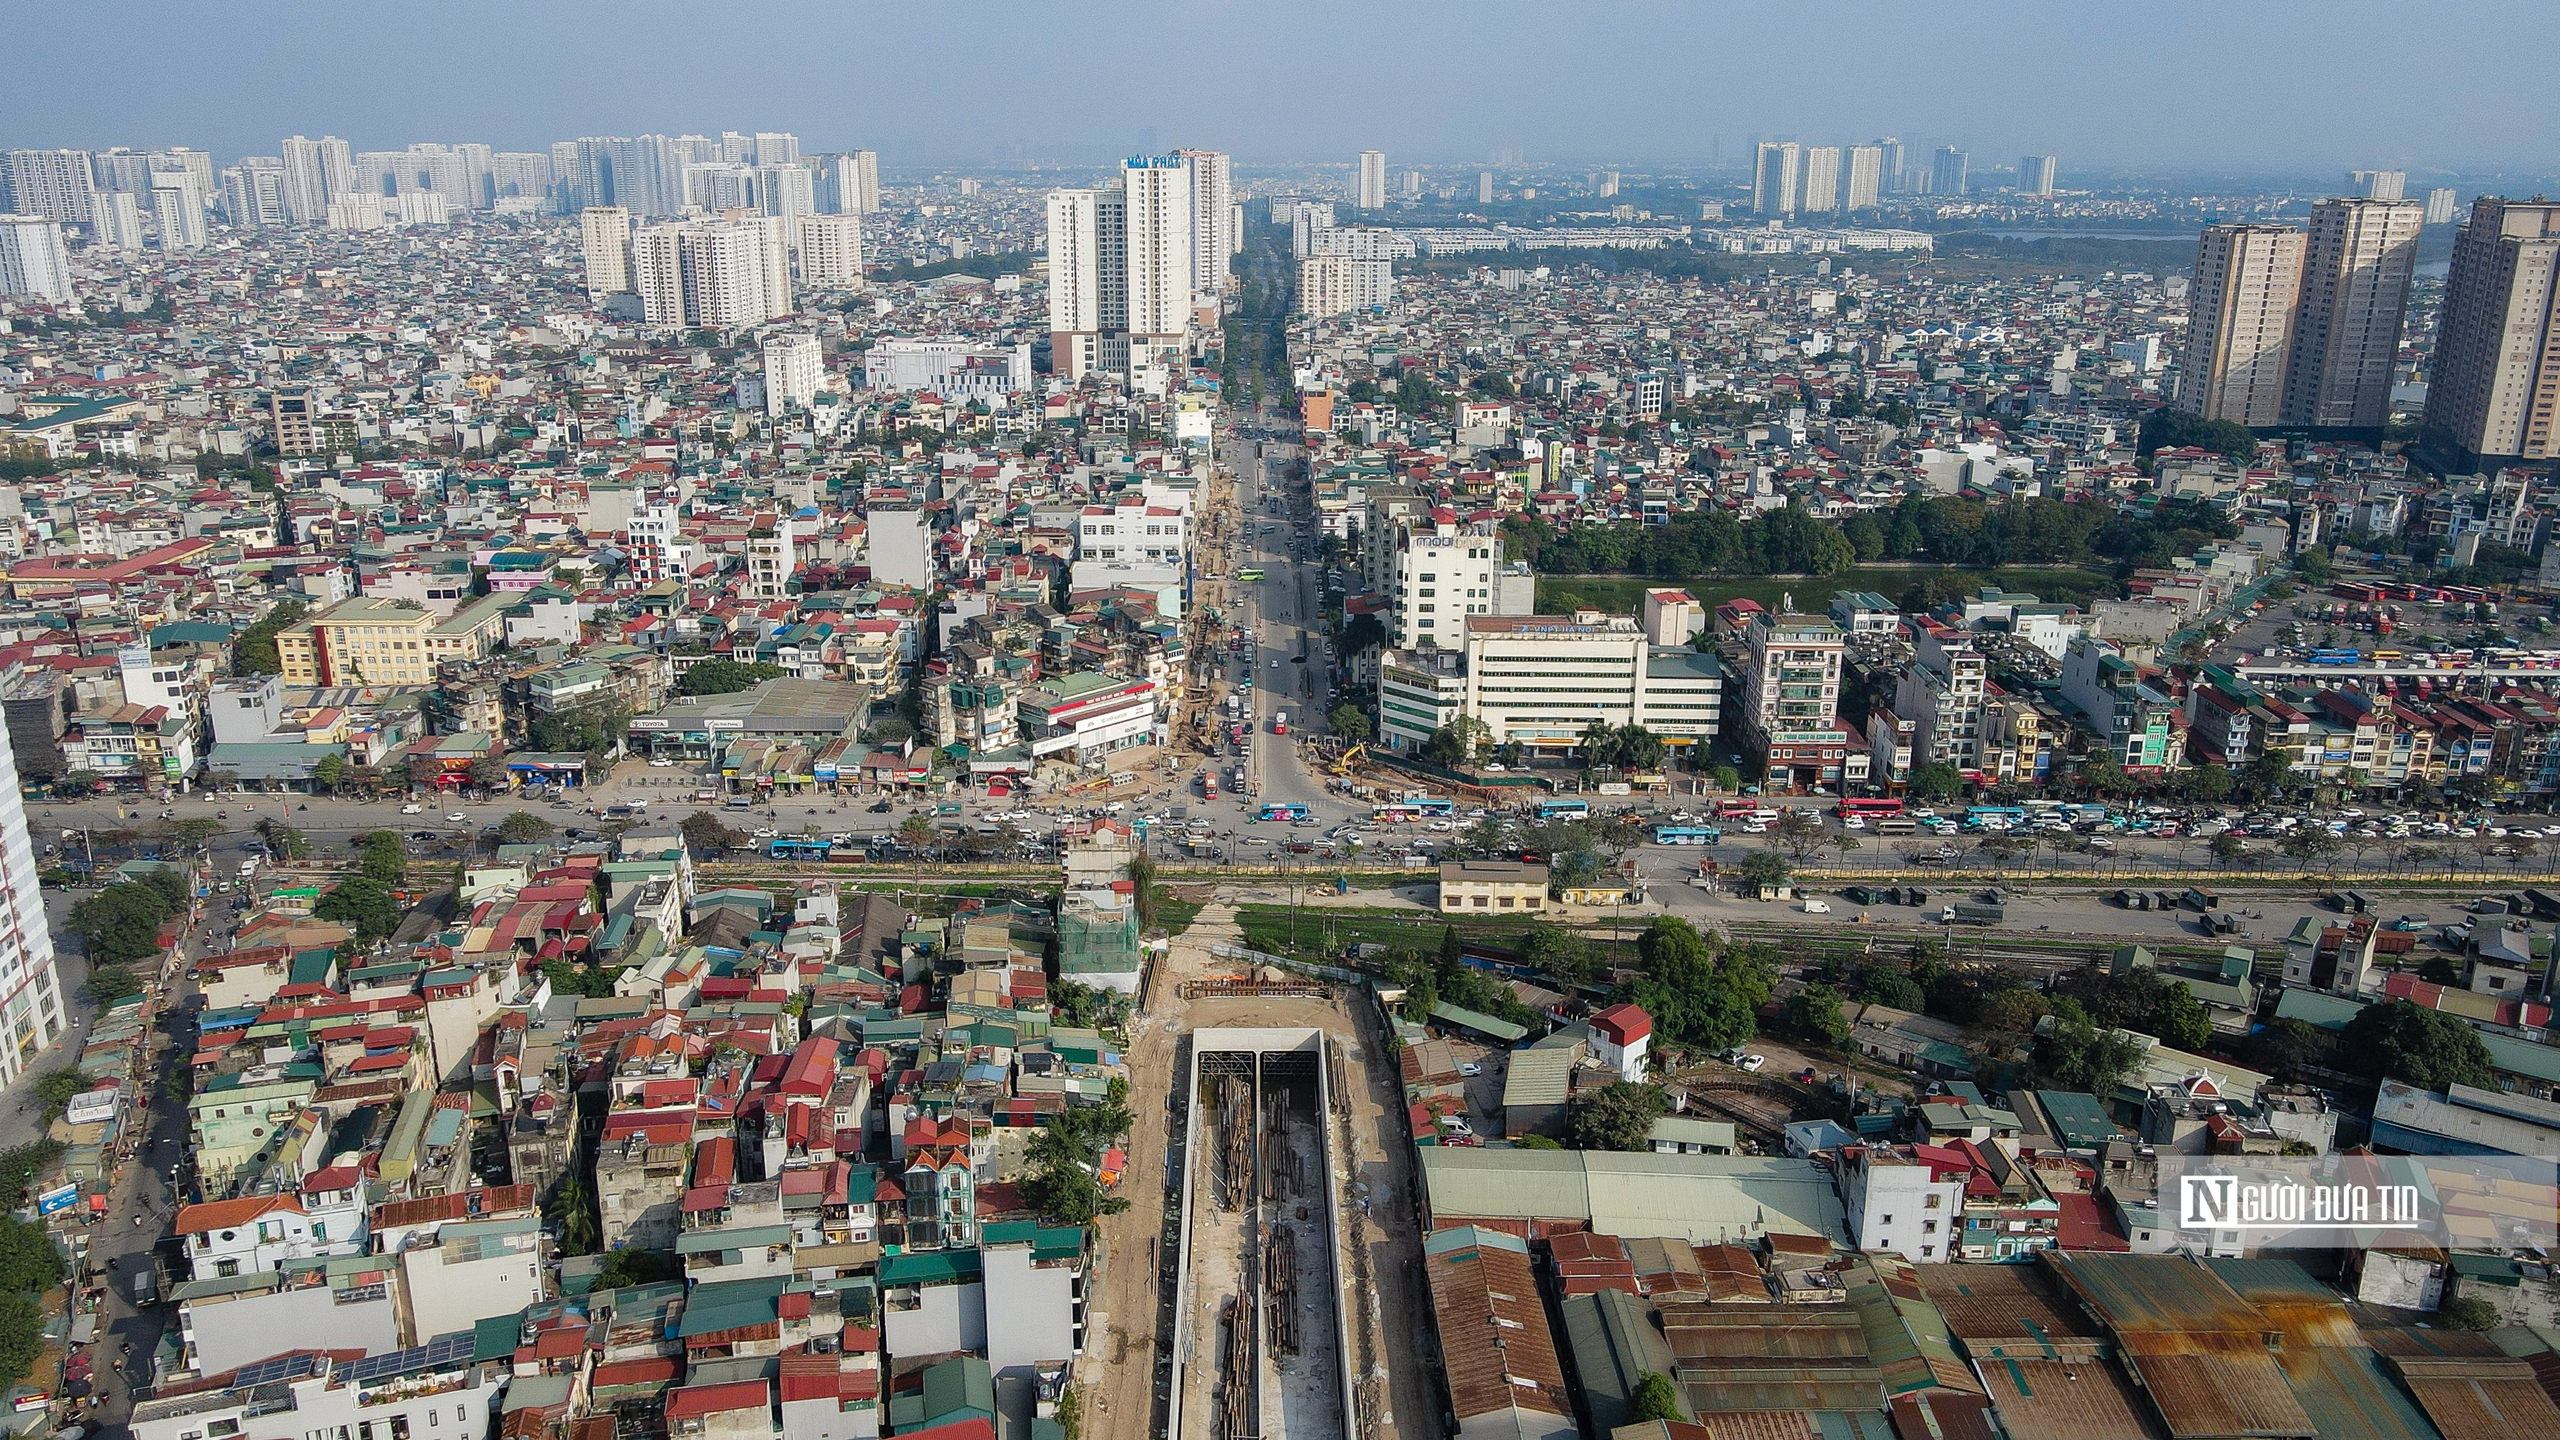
point(2092, 96)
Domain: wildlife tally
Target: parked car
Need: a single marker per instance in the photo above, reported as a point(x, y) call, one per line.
point(1754, 1062)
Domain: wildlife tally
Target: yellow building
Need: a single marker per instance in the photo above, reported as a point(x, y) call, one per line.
point(361, 642)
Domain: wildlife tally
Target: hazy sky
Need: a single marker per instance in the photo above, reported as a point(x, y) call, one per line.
point(2232, 85)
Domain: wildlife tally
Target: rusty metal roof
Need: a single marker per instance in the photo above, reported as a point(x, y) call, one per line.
point(2202, 1393)
point(2067, 1400)
point(2000, 1310)
point(1941, 1415)
point(1496, 1352)
point(2475, 1395)
point(1763, 1332)
point(2147, 1294)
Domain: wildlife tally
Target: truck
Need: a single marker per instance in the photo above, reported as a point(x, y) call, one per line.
point(1974, 912)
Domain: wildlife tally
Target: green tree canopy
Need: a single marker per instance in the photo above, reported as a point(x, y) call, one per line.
point(2397, 1040)
point(1617, 1116)
point(29, 1263)
point(708, 834)
point(1935, 780)
point(1814, 1013)
point(1349, 723)
point(523, 827)
point(363, 905)
point(2166, 429)
point(725, 677)
point(1654, 1398)
point(119, 924)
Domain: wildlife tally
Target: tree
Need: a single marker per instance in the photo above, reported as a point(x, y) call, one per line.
point(916, 831)
point(2208, 783)
point(708, 834)
point(1617, 1116)
point(120, 924)
point(2176, 429)
point(2468, 1312)
point(362, 905)
point(491, 773)
point(1814, 1013)
point(574, 1206)
point(1555, 952)
point(54, 1089)
point(638, 1267)
point(2436, 970)
point(21, 1337)
point(1444, 748)
point(1349, 723)
point(1763, 867)
point(1654, 1398)
point(2288, 1049)
point(1890, 986)
point(330, 772)
point(2179, 1020)
point(2227, 850)
point(1145, 895)
point(1935, 780)
point(29, 1263)
point(522, 827)
point(282, 840)
point(725, 677)
point(196, 831)
point(1800, 834)
point(2397, 1040)
point(77, 784)
point(253, 651)
point(385, 860)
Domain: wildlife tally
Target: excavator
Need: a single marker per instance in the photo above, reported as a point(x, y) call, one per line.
point(1347, 761)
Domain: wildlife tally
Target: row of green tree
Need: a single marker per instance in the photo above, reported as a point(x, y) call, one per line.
point(1942, 529)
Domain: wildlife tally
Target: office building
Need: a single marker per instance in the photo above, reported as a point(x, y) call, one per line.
point(2035, 175)
point(1373, 179)
point(866, 181)
point(1947, 171)
point(831, 252)
point(2497, 364)
point(2241, 308)
point(960, 370)
point(30, 990)
point(794, 372)
point(293, 416)
point(32, 260)
point(1790, 703)
point(1484, 187)
point(179, 209)
point(55, 184)
point(2358, 258)
point(605, 240)
point(1866, 177)
point(1777, 177)
point(1334, 284)
point(115, 221)
point(1213, 199)
point(2440, 206)
point(712, 273)
point(1120, 270)
point(1540, 680)
point(1821, 193)
point(315, 173)
point(2378, 184)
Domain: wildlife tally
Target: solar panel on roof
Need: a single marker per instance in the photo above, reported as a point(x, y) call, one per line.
point(282, 1367)
point(445, 1352)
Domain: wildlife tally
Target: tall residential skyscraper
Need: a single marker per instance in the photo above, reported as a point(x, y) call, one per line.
point(1120, 268)
point(711, 273)
point(178, 207)
point(315, 173)
point(2496, 380)
point(1893, 177)
point(1821, 193)
point(55, 184)
point(30, 990)
point(115, 221)
point(1776, 177)
point(1213, 198)
point(1866, 176)
point(1484, 187)
point(831, 251)
point(777, 147)
point(1947, 171)
point(2378, 184)
point(1373, 179)
point(786, 192)
point(793, 372)
point(2356, 266)
point(2035, 175)
point(604, 233)
point(253, 194)
point(32, 260)
point(2440, 206)
point(2240, 314)
point(866, 181)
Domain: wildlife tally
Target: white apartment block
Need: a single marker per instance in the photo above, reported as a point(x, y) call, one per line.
point(30, 989)
point(712, 273)
point(1137, 530)
point(1335, 285)
point(1901, 1204)
point(1159, 265)
point(1438, 576)
point(795, 370)
point(831, 251)
point(1213, 236)
point(1821, 180)
point(953, 369)
point(55, 184)
point(1541, 680)
point(770, 560)
point(1776, 177)
point(1865, 177)
point(1121, 270)
point(658, 549)
point(1373, 179)
point(604, 235)
point(32, 259)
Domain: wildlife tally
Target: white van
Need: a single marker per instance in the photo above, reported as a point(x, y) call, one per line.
point(1817, 907)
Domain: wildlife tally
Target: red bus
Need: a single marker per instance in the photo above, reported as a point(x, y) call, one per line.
point(1871, 809)
point(1735, 809)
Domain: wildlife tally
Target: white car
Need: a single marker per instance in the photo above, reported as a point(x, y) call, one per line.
point(1852, 822)
point(1754, 1062)
point(455, 818)
point(1755, 828)
point(1471, 1069)
point(413, 809)
point(662, 763)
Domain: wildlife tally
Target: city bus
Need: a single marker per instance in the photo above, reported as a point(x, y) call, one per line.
point(1434, 809)
point(1687, 835)
point(1282, 811)
point(1995, 812)
point(791, 848)
point(1248, 576)
point(1897, 825)
point(1396, 812)
point(1736, 809)
point(1871, 809)
point(1564, 809)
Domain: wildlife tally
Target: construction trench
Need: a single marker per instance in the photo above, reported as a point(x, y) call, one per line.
point(1259, 1335)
